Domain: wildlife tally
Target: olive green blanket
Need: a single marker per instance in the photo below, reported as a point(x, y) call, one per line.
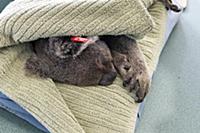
point(63, 108)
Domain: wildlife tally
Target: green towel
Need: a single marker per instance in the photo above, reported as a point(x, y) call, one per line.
point(63, 108)
point(25, 20)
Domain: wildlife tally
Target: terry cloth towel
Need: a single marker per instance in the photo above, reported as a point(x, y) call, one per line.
point(63, 108)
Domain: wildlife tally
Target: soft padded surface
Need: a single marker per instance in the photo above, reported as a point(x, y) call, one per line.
point(65, 108)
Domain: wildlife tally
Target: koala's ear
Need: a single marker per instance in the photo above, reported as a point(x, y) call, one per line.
point(99, 63)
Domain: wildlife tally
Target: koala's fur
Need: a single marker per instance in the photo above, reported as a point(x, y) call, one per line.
point(95, 64)
point(129, 62)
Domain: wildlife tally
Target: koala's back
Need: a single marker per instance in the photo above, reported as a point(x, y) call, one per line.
point(82, 69)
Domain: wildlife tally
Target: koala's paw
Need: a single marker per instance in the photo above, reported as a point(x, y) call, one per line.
point(137, 83)
point(134, 74)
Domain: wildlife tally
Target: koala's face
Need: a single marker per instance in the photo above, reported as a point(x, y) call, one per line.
point(62, 47)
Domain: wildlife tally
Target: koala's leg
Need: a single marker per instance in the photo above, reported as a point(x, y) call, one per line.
point(129, 62)
point(169, 5)
point(35, 65)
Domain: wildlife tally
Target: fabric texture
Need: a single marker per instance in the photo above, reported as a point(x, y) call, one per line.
point(63, 108)
point(25, 20)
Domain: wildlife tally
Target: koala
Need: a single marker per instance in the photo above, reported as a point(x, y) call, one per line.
point(97, 63)
point(53, 58)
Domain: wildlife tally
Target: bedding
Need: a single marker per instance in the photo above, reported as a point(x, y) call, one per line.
point(13, 107)
point(65, 108)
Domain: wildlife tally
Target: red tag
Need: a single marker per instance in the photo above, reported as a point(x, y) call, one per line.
point(79, 39)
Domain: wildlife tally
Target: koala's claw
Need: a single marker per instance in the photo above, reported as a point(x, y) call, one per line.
point(135, 76)
point(138, 85)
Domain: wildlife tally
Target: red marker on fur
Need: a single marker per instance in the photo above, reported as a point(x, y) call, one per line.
point(79, 39)
point(83, 43)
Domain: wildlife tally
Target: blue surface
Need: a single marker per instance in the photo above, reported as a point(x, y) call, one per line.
point(14, 108)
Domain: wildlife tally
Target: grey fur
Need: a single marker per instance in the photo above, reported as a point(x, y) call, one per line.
point(93, 67)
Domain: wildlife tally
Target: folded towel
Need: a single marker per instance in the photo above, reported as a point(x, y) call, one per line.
point(63, 108)
point(28, 20)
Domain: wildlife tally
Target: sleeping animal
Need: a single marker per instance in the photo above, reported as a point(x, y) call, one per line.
point(95, 62)
point(53, 58)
